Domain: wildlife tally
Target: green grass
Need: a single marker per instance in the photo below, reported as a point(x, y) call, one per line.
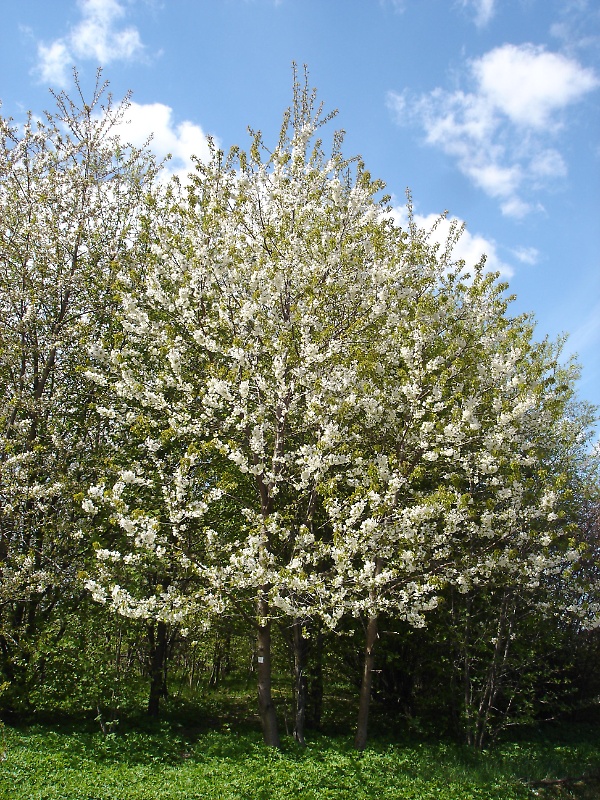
point(182, 758)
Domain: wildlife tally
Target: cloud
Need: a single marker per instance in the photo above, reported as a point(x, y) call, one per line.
point(578, 28)
point(469, 248)
point(54, 61)
point(528, 85)
point(500, 132)
point(98, 36)
point(181, 140)
point(527, 255)
point(397, 5)
point(484, 10)
point(548, 164)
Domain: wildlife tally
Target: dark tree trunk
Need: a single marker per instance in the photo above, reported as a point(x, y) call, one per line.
point(266, 709)
point(365, 688)
point(221, 661)
point(216, 669)
point(300, 681)
point(315, 687)
point(6, 662)
point(367, 679)
point(157, 636)
point(227, 654)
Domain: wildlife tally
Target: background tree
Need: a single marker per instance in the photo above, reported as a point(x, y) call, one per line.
point(69, 196)
point(231, 344)
point(317, 415)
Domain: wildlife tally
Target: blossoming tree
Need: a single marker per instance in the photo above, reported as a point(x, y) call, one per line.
point(69, 198)
point(325, 415)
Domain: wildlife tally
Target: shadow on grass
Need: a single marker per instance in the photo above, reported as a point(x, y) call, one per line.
point(560, 759)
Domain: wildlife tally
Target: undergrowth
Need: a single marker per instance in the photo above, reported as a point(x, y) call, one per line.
point(183, 758)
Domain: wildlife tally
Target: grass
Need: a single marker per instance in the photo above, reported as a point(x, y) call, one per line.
point(186, 757)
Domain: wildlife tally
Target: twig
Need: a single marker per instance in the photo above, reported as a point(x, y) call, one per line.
point(585, 778)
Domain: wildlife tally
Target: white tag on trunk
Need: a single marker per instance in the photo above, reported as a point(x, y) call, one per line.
point(261, 660)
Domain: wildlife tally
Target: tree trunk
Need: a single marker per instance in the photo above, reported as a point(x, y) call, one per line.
point(266, 709)
point(495, 673)
point(365, 688)
point(367, 678)
point(315, 692)
point(215, 672)
point(157, 636)
point(300, 682)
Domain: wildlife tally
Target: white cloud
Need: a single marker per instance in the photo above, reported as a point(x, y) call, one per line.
point(181, 140)
point(529, 85)
point(548, 164)
point(578, 29)
point(54, 62)
point(527, 255)
point(498, 132)
point(484, 10)
point(494, 179)
point(469, 248)
point(97, 36)
point(397, 5)
point(517, 208)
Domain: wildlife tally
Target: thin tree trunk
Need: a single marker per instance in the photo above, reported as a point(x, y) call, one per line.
point(158, 656)
point(495, 673)
point(118, 651)
point(215, 673)
point(466, 673)
point(300, 681)
point(266, 708)
point(367, 679)
point(365, 687)
point(227, 654)
point(315, 700)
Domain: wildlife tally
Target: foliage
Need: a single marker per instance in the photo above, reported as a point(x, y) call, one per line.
point(69, 200)
point(256, 403)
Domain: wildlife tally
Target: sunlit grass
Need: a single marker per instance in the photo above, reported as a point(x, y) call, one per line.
point(183, 758)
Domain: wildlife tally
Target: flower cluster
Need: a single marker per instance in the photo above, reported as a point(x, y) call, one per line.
point(319, 408)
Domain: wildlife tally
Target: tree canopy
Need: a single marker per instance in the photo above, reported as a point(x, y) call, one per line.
point(257, 397)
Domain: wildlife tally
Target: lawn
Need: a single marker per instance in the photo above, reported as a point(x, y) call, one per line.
point(178, 759)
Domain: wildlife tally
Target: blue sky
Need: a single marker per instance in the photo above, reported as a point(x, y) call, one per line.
point(486, 108)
